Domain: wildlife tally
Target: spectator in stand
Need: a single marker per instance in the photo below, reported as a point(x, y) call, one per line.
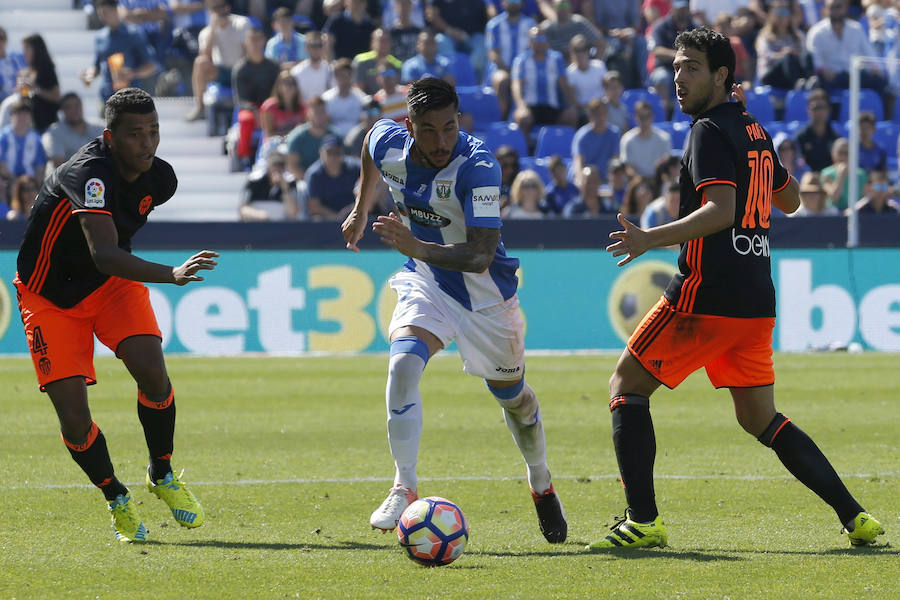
point(594, 144)
point(304, 140)
point(832, 41)
point(21, 152)
point(39, 80)
point(221, 46)
point(642, 146)
point(403, 32)
point(835, 177)
point(872, 157)
point(706, 11)
point(427, 63)
point(65, 137)
point(270, 194)
point(253, 78)
point(540, 90)
point(349, 33)
point(366, 65)
point(4, 200)
point(626, 49)
point(882, 35)
point(666, 170)
point(530, 8)
point(353, 141)
point(638, 196)
point(812, 198)
point(563, 26)
point(331, 180)
point(664, 209)
point(508, 159)
point(525, 196)
point(816, 137)
point(314, 74)
point(878, 196)
point(619, 116)
point(189, 17)
point(122, 55)
point(597, 201)
point(585, 75)
point(781, 57)
point(743, 67)
point(617, 178)
point(344, 101)
point(786, 148)
point(662, 48)
point(460, 28)
point(561, 191)
point(287, 47)
point(283, 109)
point(390, 96)
point(506, 36)
point(151, 17)
point(652, 11)
point(10, 65)
point(24, 191)
point(390, 13)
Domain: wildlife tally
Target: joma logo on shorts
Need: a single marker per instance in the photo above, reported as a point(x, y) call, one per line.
point(505, 370)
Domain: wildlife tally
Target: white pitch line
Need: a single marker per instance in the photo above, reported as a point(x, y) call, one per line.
point(307, 480)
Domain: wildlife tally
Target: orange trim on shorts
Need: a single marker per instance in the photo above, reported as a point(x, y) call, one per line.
point(716, 182)
point(42, 266)
point(780, 427)
point(143, 399)
point(90, 210)
point(91, 436)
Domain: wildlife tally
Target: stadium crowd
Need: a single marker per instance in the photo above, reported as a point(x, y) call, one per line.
point(574, 97)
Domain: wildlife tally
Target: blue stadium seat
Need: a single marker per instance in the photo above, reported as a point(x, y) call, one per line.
point(886, 136)
point(631, 97)
point(554, 139)
point(482, 105)
point(679, 132)
point(795, 105)
point(505, 133)
point(538, 165)
point(760, 106)
point(463, 70)
point(678, 116)
point(869, 100)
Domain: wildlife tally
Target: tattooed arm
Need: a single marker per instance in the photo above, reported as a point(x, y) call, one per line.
point(472, 256)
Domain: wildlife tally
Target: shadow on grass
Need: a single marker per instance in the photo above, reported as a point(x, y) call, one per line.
point(576, 549)
point(335, 545)
point(886, 550)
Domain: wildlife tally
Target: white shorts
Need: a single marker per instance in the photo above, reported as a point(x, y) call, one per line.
point(491, 341)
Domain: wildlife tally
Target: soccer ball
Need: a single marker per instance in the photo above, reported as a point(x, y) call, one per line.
point(635, 292)
point(433, 531)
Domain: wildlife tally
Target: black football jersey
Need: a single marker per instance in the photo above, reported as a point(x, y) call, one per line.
point(728, 273)
point(54, 260)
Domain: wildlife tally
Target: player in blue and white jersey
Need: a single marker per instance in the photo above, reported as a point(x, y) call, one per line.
point(458, 284)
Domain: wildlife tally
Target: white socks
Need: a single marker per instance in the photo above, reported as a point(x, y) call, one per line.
point(522, 413)
point(404, 415)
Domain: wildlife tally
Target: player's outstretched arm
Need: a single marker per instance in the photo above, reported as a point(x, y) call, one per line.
point(715, 215)
point(102, 240)
point(473, 256)
point(354, 226)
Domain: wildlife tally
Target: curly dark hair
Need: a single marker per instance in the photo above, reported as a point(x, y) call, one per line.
point(430, 93)
point(128, 100)
point(717, 48)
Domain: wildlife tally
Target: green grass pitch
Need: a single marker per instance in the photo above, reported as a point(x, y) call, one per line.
point(289, 457)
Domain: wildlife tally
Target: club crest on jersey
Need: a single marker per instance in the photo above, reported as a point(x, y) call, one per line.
point(426, 217)
point(442, 187)
point(145, 205)
point(94, 191)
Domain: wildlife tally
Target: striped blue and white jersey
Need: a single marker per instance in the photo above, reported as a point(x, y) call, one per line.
point(438, 204)
point(21, 155)
point(508, 39)
point(540, 79)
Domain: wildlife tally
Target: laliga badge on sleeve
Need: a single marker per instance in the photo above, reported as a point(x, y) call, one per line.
point(94, 193)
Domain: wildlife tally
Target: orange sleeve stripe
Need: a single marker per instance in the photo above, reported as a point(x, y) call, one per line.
point(715, 182)
point(91, 436)
point(143, 399)
point(782, 187)
point(57, 220)
point(90, 210)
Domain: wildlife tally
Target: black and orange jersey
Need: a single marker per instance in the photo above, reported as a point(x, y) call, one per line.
point(54, 260)
point(728, 273)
